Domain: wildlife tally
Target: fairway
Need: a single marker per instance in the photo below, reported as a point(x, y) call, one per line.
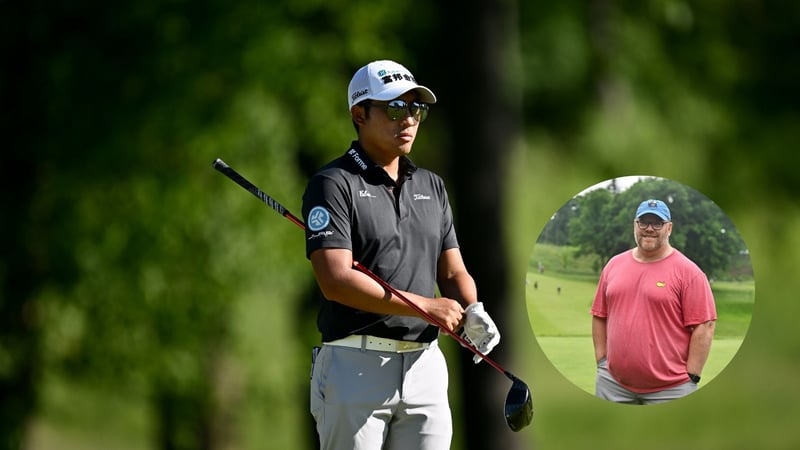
point(558, 310)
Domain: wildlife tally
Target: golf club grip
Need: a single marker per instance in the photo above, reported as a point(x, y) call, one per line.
point(229, 172)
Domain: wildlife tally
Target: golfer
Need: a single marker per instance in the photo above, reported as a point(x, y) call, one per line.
point(653, 317)
point(379, 381)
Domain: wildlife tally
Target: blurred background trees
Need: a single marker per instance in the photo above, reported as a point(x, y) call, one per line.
point(145, 302)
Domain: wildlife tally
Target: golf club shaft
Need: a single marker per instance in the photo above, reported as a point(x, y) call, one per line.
point(228, 171)
point(253, 189)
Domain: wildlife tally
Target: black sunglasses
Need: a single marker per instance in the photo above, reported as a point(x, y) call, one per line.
point(399, 109)
point(644, 224)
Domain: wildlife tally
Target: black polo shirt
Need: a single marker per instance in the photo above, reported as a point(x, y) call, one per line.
point(398, 230)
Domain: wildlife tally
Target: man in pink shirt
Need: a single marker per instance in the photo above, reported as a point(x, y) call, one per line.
point(653, 317)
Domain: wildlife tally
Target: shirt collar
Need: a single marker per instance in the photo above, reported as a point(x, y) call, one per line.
point(361, 161)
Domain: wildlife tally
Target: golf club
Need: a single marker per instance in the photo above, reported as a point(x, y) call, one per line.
point(519, 403)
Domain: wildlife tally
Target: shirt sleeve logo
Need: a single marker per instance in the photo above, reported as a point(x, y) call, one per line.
point(318, 218)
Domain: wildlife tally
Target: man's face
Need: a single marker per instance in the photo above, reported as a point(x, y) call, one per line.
point(651, 233)
point(390, 138)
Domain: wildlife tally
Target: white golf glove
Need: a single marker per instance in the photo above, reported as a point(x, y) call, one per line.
point(480, 330)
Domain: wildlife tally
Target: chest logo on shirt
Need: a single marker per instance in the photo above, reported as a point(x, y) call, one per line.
point(421, 197)
point(318, 218)
point(365, 193)
point(660, 284)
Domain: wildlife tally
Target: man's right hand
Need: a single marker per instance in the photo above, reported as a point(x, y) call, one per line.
point(447, 311)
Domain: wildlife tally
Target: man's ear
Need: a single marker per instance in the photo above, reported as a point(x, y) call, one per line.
point(357, 113)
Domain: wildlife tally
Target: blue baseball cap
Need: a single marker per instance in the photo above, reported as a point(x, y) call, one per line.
point(656, 207)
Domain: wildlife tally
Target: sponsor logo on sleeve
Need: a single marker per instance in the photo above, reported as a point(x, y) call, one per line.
point(318, 218)
point(320, 235)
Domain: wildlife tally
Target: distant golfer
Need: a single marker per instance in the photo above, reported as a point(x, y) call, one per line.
point(652, 318)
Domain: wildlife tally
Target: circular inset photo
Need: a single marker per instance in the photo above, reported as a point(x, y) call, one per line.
point(640, 290)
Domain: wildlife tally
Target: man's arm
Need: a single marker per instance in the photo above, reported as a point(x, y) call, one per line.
point(599, 337)
point(333, 268)
point(453, 279)
point(455, 282)
point(700, 346)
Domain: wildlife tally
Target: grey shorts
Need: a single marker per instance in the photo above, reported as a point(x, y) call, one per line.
point(368, 399)
point(608, 388)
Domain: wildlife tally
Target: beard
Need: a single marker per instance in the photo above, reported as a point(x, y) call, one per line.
point(649, 243)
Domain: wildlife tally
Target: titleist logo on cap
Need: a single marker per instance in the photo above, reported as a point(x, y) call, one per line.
point(357, 94)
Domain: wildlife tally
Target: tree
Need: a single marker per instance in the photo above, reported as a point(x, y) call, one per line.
point(474, 63)
point(556, 230)
point(592, 228)
point(701, 230)
point(117, 269)
point(115, 251)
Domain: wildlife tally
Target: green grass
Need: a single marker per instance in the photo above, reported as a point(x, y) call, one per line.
point(562, 259)
point(734, 302)
point(561, 322)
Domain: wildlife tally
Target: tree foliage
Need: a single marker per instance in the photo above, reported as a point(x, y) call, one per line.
point(600, 223)
point(131, 267)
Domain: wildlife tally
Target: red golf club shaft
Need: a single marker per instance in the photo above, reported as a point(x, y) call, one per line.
point(407, 301)
point(253, 189)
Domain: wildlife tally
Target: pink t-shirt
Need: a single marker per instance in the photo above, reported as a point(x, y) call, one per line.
point(648, 308)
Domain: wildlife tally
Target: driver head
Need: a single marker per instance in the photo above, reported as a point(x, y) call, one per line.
point(519, 406)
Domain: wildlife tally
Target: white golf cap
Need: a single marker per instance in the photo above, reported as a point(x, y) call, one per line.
point(384, 80)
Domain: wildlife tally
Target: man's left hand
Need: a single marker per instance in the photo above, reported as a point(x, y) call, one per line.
point(480, 330)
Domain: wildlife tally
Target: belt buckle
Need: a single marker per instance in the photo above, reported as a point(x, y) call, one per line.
point(405, 346)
